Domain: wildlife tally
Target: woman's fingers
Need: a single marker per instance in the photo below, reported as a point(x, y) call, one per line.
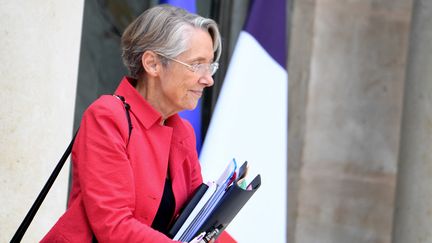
point(199, 238)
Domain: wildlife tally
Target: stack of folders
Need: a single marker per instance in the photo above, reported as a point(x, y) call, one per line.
point(215, 204)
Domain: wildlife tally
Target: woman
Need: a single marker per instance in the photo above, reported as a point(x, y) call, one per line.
point(128, 185)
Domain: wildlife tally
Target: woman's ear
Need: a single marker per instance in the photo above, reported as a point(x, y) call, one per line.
point(150, 63)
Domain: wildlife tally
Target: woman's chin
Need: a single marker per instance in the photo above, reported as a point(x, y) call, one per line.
point(191, 106)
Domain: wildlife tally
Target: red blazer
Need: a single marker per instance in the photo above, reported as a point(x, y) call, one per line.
point(117, 186)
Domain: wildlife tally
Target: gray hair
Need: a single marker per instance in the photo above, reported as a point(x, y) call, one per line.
point(163, 29)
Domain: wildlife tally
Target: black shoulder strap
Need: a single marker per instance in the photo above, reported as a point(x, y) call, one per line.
point(37, 203)
point(127, 108)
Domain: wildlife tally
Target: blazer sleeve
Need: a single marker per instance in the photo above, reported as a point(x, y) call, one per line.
point(106, 177)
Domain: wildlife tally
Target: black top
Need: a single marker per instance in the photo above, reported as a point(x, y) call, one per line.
point(165, 212)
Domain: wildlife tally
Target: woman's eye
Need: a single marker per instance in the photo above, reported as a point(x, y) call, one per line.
point(196, 65)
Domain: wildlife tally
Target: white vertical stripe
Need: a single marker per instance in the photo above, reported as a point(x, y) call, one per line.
point(250, 123)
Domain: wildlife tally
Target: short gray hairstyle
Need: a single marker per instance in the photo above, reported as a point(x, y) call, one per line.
point(163, 29)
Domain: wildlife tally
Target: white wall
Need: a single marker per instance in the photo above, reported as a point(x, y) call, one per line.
point(39, 51)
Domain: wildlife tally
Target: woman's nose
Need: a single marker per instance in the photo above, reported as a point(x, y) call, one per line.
point(207, 80)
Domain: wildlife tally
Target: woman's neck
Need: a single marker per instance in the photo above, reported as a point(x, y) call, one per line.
point(149, 91)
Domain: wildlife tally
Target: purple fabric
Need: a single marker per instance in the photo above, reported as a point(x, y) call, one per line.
point(267, 23)
point(189, 5)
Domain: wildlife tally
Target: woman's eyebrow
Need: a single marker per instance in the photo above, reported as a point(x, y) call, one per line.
point(200, 59)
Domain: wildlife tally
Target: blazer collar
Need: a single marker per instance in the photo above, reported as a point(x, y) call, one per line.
point(142, 110)
point(180, 131)
point(146, 114)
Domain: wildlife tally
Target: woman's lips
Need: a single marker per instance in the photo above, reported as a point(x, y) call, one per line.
point(197, 92)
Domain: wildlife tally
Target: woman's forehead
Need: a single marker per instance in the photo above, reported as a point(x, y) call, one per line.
point(200, 45)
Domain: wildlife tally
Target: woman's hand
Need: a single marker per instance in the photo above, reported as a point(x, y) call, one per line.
point(199, 238)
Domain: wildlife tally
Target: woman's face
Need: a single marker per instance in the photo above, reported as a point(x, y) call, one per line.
point(181, 88)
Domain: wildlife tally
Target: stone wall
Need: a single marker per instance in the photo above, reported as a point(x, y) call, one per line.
point(39, 51)
point(413, 211)
point(346, 162)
